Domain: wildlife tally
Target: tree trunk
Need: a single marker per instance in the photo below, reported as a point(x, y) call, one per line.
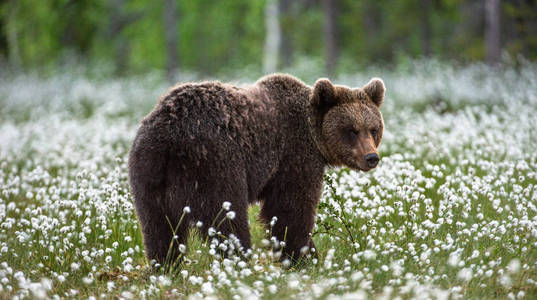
point(492, 31)
point(171, 32)
point(330, 35)
point(426, 27)
point(286, 48)
point(272, 38)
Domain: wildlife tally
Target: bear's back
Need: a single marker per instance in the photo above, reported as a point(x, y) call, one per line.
point(212, 119)
point(200, 108)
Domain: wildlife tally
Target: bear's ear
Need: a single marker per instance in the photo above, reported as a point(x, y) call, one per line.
point(324, 94)
point(375, 90)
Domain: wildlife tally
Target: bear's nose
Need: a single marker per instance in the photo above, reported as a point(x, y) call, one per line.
point(372, 159)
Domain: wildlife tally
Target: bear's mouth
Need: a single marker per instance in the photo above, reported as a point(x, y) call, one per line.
point(357, 166)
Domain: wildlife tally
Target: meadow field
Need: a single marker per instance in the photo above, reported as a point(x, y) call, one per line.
point(449, 213)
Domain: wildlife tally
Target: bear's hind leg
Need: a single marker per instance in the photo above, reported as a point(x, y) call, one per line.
point(217, 221)
point(235, 222)
point(161, 233)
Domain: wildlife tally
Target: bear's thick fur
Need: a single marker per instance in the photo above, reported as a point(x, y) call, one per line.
point(207, 143)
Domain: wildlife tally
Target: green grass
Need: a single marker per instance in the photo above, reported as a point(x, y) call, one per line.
point(451, 210)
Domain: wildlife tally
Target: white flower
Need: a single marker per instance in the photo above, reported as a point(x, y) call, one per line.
point(207, 288)
point(186, 210)
point(258, 284)
point(75, 266)
point(127, 268)
point(87, 280)
point(505, 281)
point(272, 289)
point(286, 263)
point(226, 205)
point(513, 266)
point(230, 215)
point(465, 274)
point(453, 259)
point(293, 284)
point(211, 231)
point(164, 280)
point(369, 254)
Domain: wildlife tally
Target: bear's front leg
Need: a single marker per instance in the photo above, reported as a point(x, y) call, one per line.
point(293, 205)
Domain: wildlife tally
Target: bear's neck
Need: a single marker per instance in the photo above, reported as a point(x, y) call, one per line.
point(315, 126)
point(291, 97)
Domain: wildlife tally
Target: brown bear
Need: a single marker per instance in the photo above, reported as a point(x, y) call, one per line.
point(207, 143)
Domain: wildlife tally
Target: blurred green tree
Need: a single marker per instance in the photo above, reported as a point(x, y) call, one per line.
point(209, 37)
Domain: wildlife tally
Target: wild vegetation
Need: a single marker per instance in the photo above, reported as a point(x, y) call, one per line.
point(451, 211)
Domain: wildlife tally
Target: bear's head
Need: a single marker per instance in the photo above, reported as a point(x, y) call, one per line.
point(346, 123)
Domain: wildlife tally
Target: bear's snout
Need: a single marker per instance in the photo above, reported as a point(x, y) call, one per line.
point(372, 160)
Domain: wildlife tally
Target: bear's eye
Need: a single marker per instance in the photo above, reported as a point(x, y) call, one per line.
point(353, 132)
point(374, 132)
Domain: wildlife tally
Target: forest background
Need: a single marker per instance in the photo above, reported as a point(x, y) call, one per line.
point(211, 38)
